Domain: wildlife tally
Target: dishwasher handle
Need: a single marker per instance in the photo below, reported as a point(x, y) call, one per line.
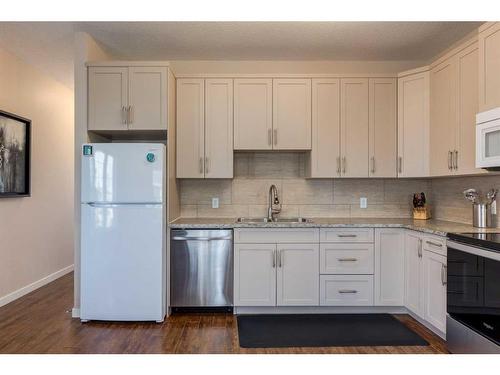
point(187, 238)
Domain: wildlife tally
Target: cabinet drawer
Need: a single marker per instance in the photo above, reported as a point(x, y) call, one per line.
point(435, 244)
point(284, 235)
point(347, 235)
point(346, 290)
point(350, 259)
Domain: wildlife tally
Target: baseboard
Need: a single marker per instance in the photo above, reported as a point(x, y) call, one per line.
point(320, 310)
point(75, 312)
point(33, 286)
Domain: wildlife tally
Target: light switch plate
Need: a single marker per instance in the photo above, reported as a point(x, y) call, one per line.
point(363, 202)
point(215, 202)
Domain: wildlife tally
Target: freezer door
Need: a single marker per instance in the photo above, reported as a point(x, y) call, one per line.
point(123, 172)
point(122, 262)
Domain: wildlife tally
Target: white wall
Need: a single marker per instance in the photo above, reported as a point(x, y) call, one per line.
point(36, 233)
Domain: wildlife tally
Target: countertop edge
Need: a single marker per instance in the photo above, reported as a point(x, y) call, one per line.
point(223, 225)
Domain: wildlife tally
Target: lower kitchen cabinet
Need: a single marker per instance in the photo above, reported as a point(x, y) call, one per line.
point(346, 290)
point(254, 274)
point(276, 274)
point(413, 270)
point(297, 274)
point(389, 279)
point(346, 258)
point(434, 287)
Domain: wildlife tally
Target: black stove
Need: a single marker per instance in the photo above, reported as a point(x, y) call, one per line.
point(486, 241)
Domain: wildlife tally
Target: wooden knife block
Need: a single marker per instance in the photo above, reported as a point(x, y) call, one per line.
point(422, 213)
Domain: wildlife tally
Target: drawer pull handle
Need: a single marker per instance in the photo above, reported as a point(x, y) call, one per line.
point(347, 235)
point(347, 291)
point(434, 243)
point(347, 259)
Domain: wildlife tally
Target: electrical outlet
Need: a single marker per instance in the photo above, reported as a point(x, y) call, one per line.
point(363, 202)
point(215, 202)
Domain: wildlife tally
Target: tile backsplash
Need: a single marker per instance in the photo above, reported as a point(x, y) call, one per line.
point(246, 194)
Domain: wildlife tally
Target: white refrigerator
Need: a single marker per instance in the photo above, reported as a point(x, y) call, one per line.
point(123, 232)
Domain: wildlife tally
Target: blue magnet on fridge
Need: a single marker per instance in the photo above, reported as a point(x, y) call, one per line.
point(150, 157)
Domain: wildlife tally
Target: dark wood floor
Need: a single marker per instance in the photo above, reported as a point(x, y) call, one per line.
point(41, 322)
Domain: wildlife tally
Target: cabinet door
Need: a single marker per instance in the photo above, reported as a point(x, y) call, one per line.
point(489, 66)
point(413, 125)
point(325, 151)
point(389, 267)
point(219, 128)
point(255, 275)
point(253, 114)
point(108, 98)
point(298, 274)
point(292, 114)
point(413, 287)
point(468, 106)
point(382, 127)
point(190, 128)
point(147, 98)
point(434, 288)
point(354, 127)
point(443, 117)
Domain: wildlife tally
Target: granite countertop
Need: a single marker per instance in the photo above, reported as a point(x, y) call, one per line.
point(437, 227)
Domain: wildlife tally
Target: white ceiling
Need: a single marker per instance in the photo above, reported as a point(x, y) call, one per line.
point(49, 45)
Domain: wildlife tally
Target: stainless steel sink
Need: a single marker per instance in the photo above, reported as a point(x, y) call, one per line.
point(260, 220)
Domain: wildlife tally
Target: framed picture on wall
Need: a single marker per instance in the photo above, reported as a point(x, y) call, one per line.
point(15, 147)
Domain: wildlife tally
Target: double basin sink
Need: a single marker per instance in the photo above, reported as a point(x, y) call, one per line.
point(260, 220)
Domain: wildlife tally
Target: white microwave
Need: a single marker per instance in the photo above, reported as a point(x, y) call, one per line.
point(488, 139)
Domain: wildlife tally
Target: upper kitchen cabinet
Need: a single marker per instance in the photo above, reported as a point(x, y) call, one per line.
point(325, 149)
point(219, 128)
point(108, 98)
point(291, 114)
point(190, 128)
point(354, 127)
point(253, 114)
point(489, 66)
point(127, 98)
point(454, 104)
point(443, 117)
point(204, 128)
point(147, 98)
point(413, 123)
point(353, 123)
point(382, 127)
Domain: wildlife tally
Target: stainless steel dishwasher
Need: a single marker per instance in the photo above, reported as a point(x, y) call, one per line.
point(201, 269)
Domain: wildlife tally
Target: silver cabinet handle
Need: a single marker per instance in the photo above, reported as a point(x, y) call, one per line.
point(456, 159)
point(400, 164)
point(124, 115)
point(443, 274)
point(207, 164)
point(434, 243)
point(343, 164)
point(347, 235)
point(373, 164)
point(269, 137)
point(347, 291)
point(347, 259)
point(338, 165)
point(274, 258)
point(130, 114)
point(275, 136)
point(450, 160)
point(200, 165)
point(420, 248)
point(279, 259)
